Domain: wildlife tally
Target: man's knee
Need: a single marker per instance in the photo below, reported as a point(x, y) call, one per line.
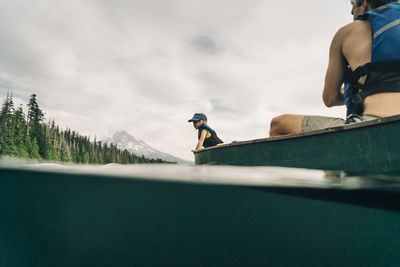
point(277, 125)
point(285, 124)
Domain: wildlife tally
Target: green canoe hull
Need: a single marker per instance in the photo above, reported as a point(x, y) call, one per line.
point(365, 148)
point(53, 219)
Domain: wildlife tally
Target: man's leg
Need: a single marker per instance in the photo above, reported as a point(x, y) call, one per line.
point(290, 124)
point(286, 124)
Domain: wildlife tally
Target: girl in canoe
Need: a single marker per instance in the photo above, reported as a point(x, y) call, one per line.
point(206, 135)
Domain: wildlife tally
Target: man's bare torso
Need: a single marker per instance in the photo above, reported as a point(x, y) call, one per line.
point(356, 49)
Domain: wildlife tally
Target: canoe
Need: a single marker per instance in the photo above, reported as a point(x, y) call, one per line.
point(371, 147)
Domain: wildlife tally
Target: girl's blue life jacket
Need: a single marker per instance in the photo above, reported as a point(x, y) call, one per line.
point(211, 138)
point(383, 72)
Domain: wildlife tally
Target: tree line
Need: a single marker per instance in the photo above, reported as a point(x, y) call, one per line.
point(29, 136)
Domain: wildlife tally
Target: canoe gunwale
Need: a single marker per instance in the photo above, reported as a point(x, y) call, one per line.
point(346, 127)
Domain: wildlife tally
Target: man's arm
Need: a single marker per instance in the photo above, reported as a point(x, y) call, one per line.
point(334, 75)
point(201, 140)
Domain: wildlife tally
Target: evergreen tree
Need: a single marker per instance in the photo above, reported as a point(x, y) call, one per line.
point(35, 127)
point(34, 150)
point(20, 133)
point(65, 153)
point(7, 143)
point(49, 148)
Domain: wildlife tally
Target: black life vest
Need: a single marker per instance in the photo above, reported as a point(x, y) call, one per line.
point(211, 138)
point(383, 72)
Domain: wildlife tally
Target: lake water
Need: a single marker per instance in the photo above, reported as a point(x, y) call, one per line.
point(183, 215)
point(224, 175)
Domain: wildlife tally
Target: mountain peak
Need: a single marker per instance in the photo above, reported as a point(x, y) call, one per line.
point(123, 140)
point(122, 136)
point(121, 132)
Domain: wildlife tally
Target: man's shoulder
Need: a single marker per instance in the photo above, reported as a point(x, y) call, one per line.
point(352, 28)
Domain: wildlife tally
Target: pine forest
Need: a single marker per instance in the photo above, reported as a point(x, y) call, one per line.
point(29, 136)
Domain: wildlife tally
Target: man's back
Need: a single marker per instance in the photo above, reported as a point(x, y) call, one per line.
point(356, 45)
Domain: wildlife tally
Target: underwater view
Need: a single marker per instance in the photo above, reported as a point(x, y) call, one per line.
point(186, 215)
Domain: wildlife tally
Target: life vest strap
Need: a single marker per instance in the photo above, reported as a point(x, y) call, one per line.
point(382, 67)
point(389, 87)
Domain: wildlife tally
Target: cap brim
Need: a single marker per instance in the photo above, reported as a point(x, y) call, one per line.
point(193, 120)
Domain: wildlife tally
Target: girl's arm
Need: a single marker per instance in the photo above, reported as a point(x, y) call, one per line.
point(201, 140)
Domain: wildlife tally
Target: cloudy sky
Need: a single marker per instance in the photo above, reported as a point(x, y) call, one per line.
point(146, 66)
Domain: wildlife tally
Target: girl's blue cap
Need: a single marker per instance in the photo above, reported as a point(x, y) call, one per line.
point(198, 117)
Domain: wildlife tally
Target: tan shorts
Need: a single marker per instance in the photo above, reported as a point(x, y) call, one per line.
point(311, 123)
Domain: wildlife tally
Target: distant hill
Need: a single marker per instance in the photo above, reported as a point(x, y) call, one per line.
point(124, 140)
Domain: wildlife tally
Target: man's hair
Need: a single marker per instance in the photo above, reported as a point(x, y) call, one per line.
point(376, 3)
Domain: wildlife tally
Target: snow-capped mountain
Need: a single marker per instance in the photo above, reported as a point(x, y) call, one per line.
point(124, 140)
